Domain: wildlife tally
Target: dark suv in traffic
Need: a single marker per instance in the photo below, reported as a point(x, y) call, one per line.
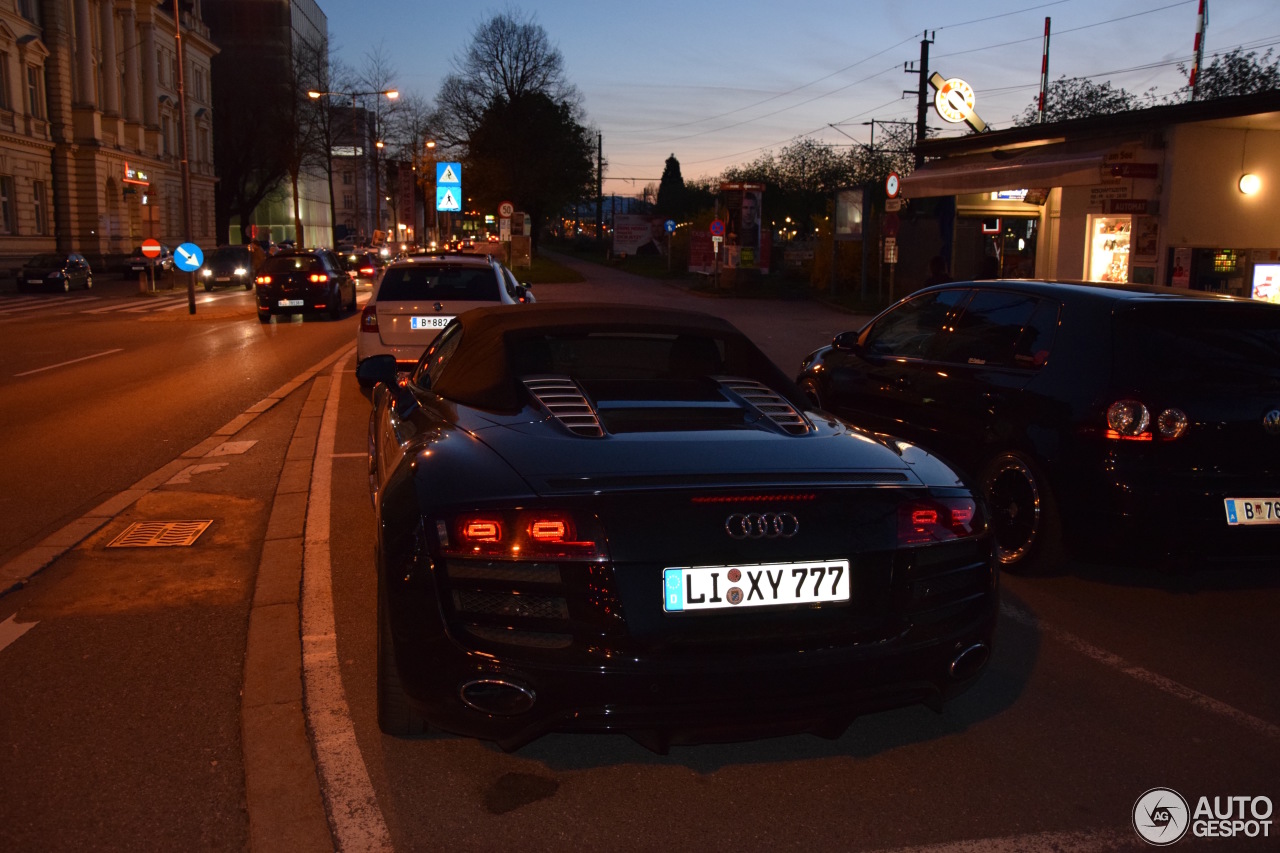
point(1135, 421)
point(306, 282)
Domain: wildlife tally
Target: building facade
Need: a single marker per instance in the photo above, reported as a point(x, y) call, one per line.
point(269, 52)
point(1151, 196)
point(91, 128)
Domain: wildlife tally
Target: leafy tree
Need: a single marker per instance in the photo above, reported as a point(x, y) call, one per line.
point(531, 152)
point(1078, 97)
point(1233, 73)
point(509, 107)
point(672, 198)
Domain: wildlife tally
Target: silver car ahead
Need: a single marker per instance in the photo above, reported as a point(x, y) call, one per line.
point(417, 296)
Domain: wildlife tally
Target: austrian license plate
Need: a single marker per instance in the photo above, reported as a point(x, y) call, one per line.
point(439, 321)
point(223, 278)
point(763, 585)
point(34, 281)
point(1253, 510)
point(292, 303)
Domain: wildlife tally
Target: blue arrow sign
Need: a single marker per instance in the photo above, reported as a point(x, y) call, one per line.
point(449, 174)
point(188, 257)
point(670, 225)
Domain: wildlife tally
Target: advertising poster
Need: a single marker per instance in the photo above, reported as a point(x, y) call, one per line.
point(637, 234)
point(1181, 275)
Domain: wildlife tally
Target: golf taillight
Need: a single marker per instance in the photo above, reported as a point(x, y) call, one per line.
point(936, 520)
point(1131, 420)
point(522, 534)
point(263, 279)
point(319, 278)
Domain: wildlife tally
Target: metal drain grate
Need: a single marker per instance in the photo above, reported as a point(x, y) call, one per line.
point(160, 534)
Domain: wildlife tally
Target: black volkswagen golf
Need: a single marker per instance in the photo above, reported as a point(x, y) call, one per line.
point(1107, 420)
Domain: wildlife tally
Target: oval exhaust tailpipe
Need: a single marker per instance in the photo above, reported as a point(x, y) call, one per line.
point(970, 661)
point(497, 697)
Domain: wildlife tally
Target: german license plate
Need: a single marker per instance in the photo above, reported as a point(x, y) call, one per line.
point(763, 585)
point(292, 303)
point(1253, 510)
point(439, 321)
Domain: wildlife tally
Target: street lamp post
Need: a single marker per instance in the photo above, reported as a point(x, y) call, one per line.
point(390, 94)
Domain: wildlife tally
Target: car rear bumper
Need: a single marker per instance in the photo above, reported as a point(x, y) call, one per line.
point(694, 699)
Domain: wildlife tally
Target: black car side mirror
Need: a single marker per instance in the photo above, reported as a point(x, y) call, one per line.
point(847, 341)
point(378, 368)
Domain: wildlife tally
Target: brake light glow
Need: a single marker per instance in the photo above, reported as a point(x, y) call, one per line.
point(264, 279)
point(549, 530)
point(319, 278)
point(936, 520)
point(522, 534)
point(482, 530)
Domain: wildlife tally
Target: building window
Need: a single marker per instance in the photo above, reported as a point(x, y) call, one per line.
point(35, 91)
point(4, 82)
point(164, 134)
point(38, 201)
point(346, 178)
point(27, 9)
point(8, 225)
point(348, 201)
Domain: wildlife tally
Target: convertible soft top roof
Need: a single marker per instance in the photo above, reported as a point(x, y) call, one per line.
point(480, 372)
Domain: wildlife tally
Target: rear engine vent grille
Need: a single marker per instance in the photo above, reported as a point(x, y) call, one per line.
point(529, 606)
point(768, 402)
point(562, 397)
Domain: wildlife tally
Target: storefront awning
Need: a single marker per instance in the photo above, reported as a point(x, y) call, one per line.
point(989, 172)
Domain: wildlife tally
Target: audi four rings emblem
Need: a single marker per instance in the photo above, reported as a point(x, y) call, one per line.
point(762, 525)
point(1271, 422)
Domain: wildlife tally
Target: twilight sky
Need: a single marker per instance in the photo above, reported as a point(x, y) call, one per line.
point(719, 84)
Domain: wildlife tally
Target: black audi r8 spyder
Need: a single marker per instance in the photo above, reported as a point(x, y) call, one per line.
point(615, 518)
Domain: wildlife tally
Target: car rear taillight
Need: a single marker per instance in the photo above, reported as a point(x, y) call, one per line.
point(319, 278)
point(937, 520)
point(523, 534)
point(369, 319)
point(263, 279)
point(366, 271)
point(1130, 420)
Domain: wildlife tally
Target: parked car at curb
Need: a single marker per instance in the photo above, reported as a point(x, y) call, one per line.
point(618, 518)
point(1129, 421)
point(159, 266)
point(55, 271)
point(228, 265)
point(306, 282)
point(419, 295)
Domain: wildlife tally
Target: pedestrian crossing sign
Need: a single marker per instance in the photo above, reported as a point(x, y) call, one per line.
point(449, 199)
point(449, 174)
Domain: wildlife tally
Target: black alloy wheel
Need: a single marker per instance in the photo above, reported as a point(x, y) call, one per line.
point(1024, 520)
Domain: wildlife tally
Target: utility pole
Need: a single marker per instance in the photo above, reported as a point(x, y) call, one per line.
point(921, 93)
point(599, 187)
point(186, 164)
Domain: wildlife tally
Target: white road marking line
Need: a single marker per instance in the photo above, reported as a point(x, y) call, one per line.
point(1146, 676)
point(65, 363)
point(354, 816)
point(11, 630)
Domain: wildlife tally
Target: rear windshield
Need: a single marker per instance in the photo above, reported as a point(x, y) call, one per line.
point(1199, 335)
point(46, 261)
point(282, 264)
point(412, 283)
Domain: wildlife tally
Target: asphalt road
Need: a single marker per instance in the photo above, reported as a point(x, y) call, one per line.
point(154, 701)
